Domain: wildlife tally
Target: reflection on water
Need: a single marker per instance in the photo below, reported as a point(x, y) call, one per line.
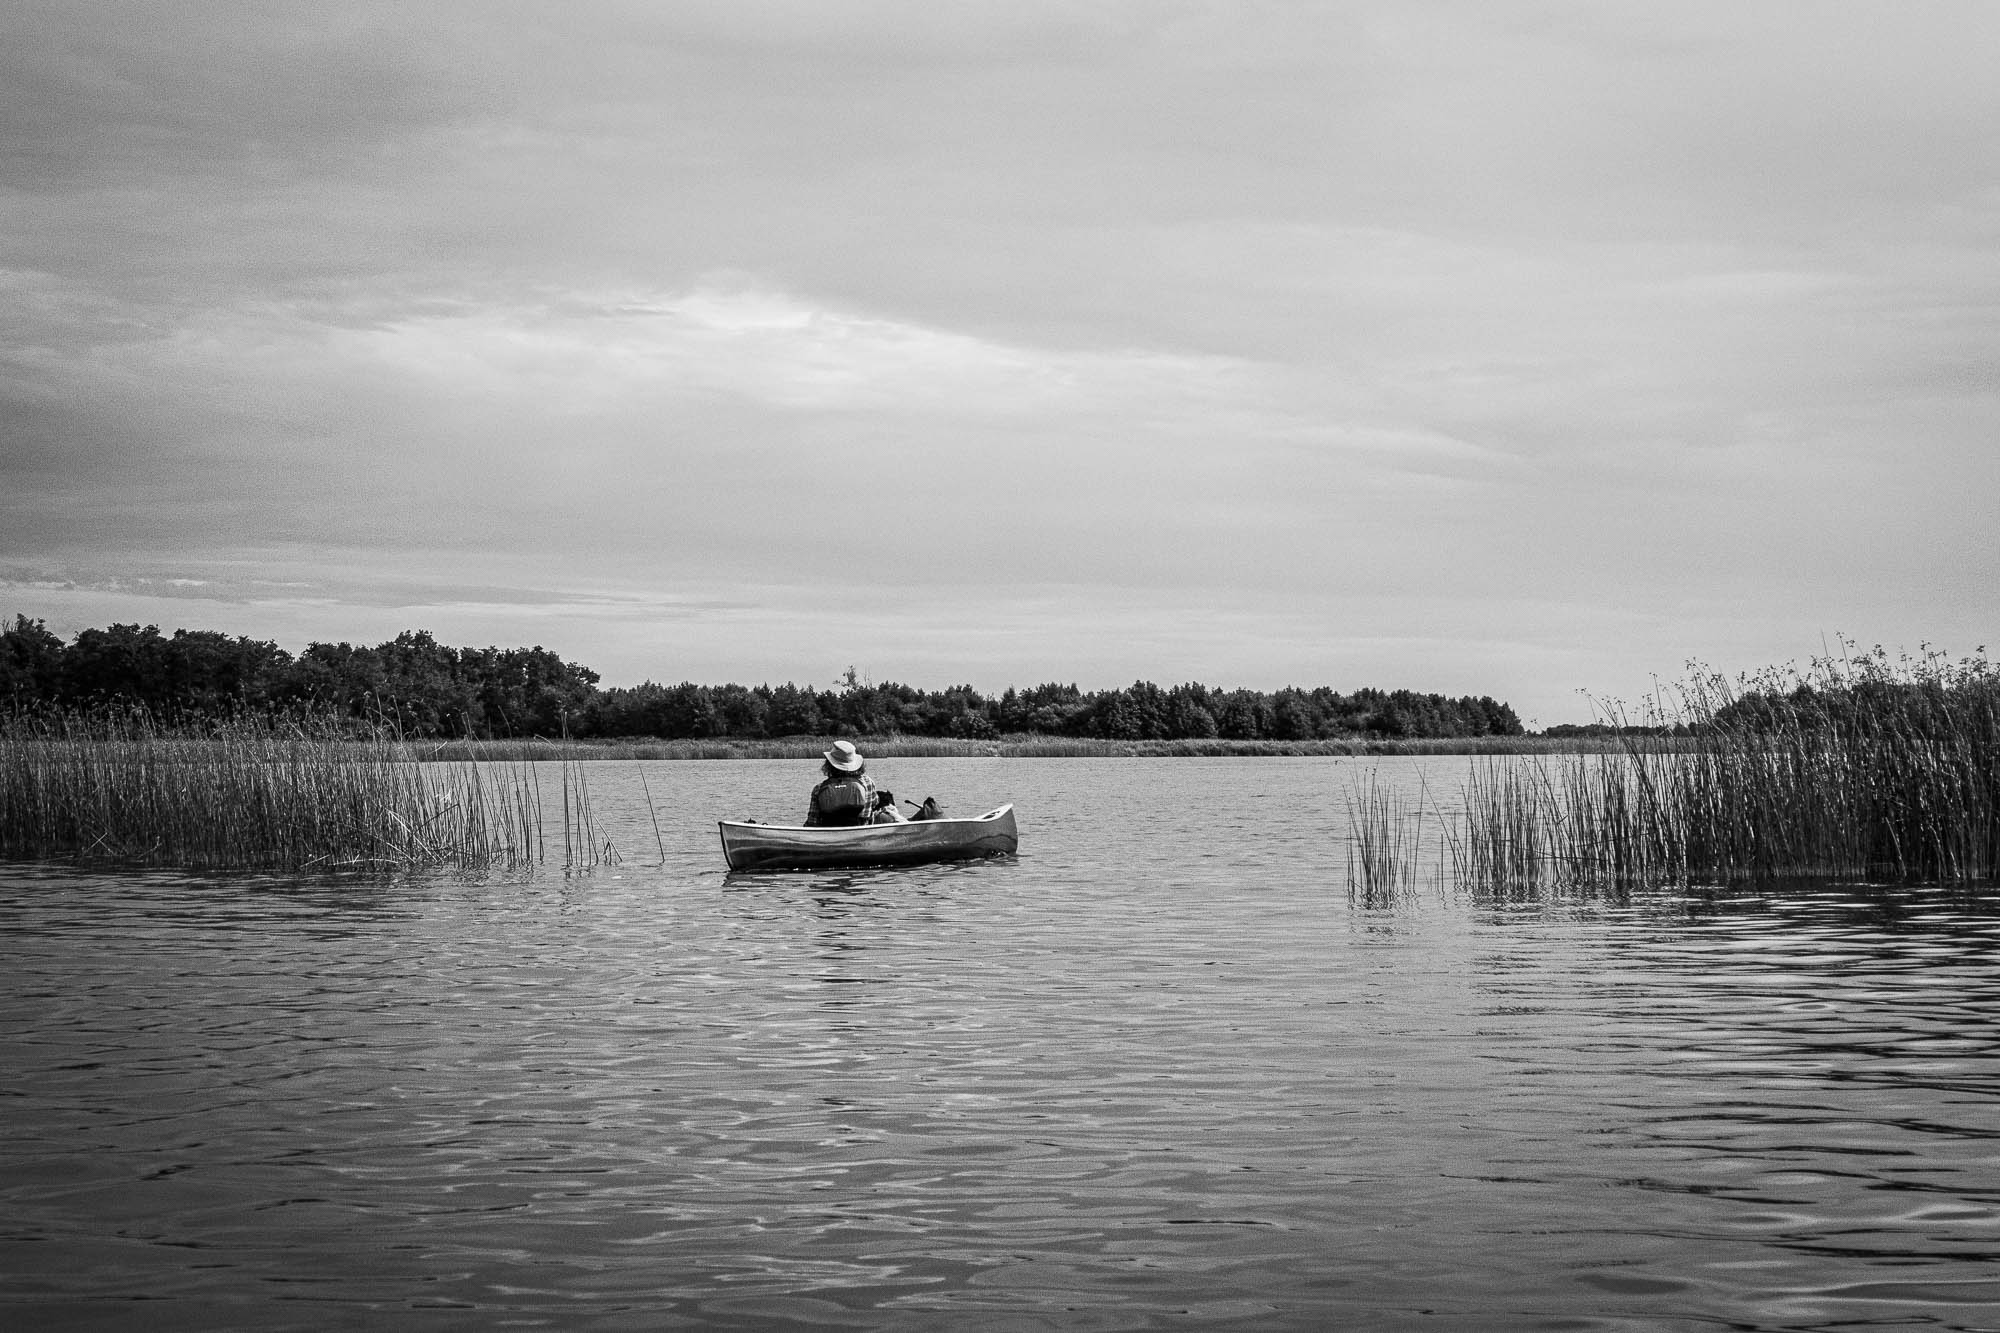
point(1160, 1071)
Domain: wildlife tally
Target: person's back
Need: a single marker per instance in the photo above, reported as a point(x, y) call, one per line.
point(841, 800)
point(846, 795)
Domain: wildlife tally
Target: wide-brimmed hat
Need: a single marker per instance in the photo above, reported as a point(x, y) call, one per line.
point(844, 757)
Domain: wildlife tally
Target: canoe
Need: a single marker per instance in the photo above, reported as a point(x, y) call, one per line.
point(751, 846)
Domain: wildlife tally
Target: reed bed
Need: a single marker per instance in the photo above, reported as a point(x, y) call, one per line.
point(1385, 835)
point(254, 794)
point(1857, 769)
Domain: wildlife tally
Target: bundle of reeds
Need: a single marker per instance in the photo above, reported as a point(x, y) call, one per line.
point(1861, 767)
point(259, 793)
point(1858, 768)
point(1385, 834)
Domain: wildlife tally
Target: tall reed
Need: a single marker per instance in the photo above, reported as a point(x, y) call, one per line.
point(1857, 768)
point(263, 794)
point(1385, 835)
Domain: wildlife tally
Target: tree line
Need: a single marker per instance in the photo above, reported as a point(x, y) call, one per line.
point(412, 683)
point(1869, 693)
point(427, 689)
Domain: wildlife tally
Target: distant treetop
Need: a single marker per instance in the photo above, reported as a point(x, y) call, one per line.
point(427, 689)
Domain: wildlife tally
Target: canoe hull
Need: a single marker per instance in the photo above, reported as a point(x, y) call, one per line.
point(788, 847)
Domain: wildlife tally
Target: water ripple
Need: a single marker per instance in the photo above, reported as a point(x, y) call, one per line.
point(1140, 1077)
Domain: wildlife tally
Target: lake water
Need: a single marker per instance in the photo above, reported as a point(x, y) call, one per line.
point(1161, 1070)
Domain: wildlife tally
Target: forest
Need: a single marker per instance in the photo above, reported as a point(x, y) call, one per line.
point(423, 688)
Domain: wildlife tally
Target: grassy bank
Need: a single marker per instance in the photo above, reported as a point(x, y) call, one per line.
point(255, 795)
point(1865, 770)
point(1006, 747)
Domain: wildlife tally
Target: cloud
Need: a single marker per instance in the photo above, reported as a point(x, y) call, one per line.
point(1491, 314)
point(764, 346)
point(103, 96)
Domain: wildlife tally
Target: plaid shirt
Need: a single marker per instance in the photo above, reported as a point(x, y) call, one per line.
point(847, 799)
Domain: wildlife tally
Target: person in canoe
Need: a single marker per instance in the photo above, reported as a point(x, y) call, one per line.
point(847, 795)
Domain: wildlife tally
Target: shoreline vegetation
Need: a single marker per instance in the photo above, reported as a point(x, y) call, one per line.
point(1857, 769)
point(1003, 747)
point(422, 689)
point(1860, 768)
point(250, 794)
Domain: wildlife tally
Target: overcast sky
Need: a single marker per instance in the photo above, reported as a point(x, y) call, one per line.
point(1525, 349)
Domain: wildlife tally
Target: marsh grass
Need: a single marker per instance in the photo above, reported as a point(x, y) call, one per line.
point(1385, 830)
point(1857, 769)
point(257, 794)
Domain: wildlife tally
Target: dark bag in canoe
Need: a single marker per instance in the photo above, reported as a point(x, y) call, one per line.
point(930, 809)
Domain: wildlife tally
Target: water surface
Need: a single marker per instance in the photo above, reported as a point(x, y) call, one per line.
point(1160, 1071)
